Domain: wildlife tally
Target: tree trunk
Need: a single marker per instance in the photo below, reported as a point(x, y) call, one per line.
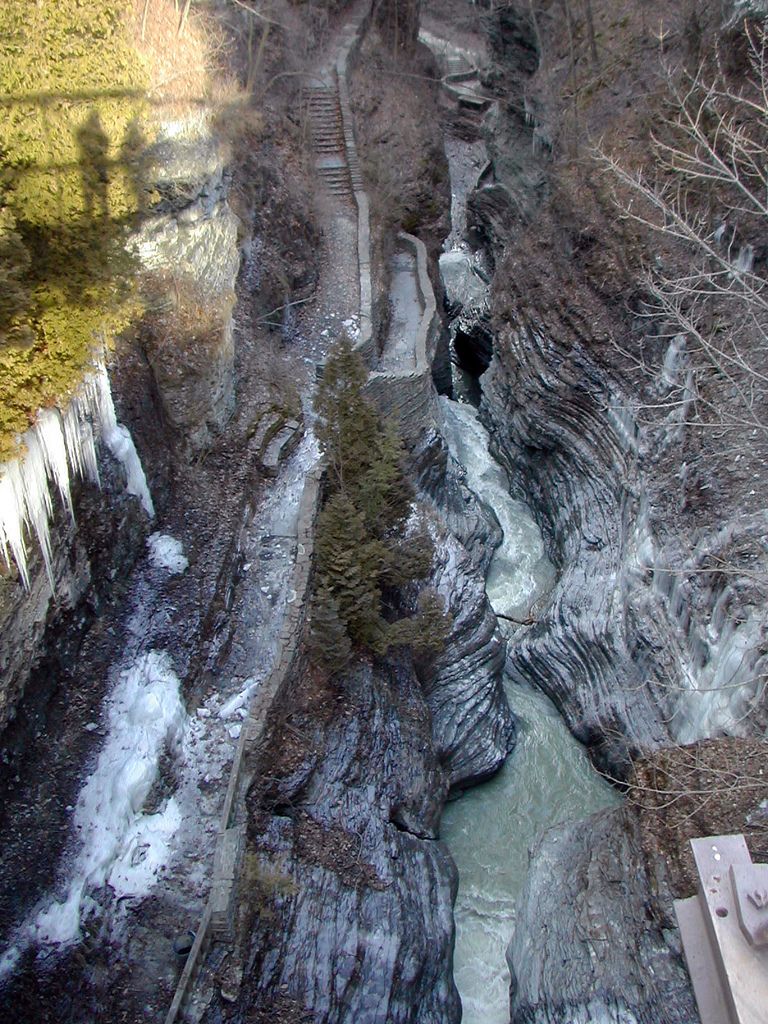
point(398, 22)
point(184, 16)
point(591, 31)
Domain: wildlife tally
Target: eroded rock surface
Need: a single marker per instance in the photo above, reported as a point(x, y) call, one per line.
point(602, 944)
point(189, 246)
point(356, 890)
point(471, 721)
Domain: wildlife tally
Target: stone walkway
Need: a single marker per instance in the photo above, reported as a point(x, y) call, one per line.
point(407, 310)
point(337, 307)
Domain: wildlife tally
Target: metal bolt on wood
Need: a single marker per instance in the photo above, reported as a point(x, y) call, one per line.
point(725, 932)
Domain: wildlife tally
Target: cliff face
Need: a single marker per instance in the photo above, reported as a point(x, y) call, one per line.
point(45, 624)
point(351, 890)
point(607, 953)
point(586, 400)
point(357, 890)
point(190, 246)
point(590, 404)
point(98, 543)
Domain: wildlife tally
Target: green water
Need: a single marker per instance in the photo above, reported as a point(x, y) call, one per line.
point(489, 830)
point(547, 779)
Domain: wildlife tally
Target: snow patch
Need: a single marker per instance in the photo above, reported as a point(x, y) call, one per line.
point(239, 700)
point(165, 552)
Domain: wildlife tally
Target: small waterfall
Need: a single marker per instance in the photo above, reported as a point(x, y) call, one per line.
point(520, 572)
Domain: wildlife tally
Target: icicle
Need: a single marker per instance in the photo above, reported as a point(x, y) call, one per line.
point(51, 437)
point(59, 446)
point(745, 260)
point(12, 518)
point(78, 436)
point(119, 441)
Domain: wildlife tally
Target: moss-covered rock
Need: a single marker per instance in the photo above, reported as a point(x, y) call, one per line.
point(73, 127)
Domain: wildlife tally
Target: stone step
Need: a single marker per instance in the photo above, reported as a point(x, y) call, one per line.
point(264, 428)
point(338, 183)
point(281, 445)
point(335, 179)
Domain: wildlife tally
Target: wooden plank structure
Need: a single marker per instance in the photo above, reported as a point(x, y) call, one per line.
point(724, 928)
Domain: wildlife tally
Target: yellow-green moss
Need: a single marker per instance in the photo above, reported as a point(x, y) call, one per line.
point(73, 124)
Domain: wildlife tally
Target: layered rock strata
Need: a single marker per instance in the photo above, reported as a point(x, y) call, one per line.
point(602, 944)
point(357, 889)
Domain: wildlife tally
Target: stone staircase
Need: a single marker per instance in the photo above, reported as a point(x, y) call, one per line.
point(457, 64)
point(329, 143)
point(273, 437)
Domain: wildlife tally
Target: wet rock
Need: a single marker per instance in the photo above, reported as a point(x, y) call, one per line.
point(355, 890)
point(442, 480)
point(40, 625)
point(602, 944)
point(465, 287)
point(589, 651)
point(471, 721)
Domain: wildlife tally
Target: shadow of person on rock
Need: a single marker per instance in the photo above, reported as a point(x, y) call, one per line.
point(133, 162)
point(93, 145)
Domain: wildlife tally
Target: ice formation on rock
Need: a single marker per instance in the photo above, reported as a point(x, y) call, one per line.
point(120, 845)
point(165, 552)
point(62, 445)
point(721, 660)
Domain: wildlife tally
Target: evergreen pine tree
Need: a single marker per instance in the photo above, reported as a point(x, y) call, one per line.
point(347, 425)
point(349, 566)
point(330, 643)
point(360, 549)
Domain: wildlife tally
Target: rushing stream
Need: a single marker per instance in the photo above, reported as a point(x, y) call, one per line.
point(547, 779)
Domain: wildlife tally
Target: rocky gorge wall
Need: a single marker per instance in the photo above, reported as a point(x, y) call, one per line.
point(632, 648)
point(347, 888)
point(191, 243)
point(96, 535)
point(640, 647)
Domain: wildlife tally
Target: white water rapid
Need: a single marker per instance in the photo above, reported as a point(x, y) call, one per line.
point(548, 777)
point(520, 572)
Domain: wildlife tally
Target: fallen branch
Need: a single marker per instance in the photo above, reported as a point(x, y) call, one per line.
point(517, 622)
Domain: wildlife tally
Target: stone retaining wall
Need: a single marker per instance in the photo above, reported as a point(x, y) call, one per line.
point(409, 396)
